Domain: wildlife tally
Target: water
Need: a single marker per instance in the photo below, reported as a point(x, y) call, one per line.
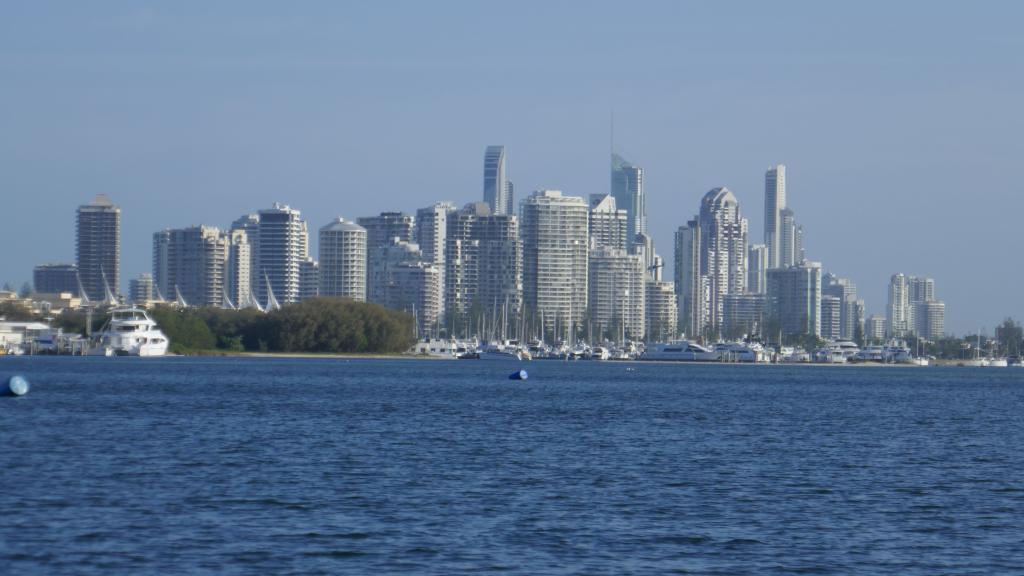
point(330, 466)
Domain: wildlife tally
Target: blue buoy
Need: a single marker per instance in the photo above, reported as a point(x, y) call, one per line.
point(518, 375)
point(16, 386)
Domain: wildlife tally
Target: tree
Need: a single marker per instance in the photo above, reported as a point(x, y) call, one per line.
point(1009, 334)
point(26, 290)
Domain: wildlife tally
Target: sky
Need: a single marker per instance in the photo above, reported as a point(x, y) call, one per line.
point(900, 123)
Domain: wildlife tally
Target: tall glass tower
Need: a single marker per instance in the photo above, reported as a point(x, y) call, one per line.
point(628, 190)
point(497, 188)
point(774, 204)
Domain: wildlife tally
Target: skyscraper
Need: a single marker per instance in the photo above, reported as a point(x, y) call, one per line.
point(238, 276)
point(930, 319)
point(309, 279)
point(283, 247)
point(98, 247)
point(617, 294)
point(430, 232)
point(723, 249)
point(249, 225)
point(608, 223)
point(849, 309)
point(191, 262)
point(794, 299)
point(831, 321)
point(461, 276)
point(787, 239)
point(662, 312)
point(628, 190)
point(554, 233)
point(381, 229)
point(690, 283)
point(499, 272)
point(497, 189)
point(403, 281)
point(774, 202)
point(743, 314)
point(898, 311)
point(757, 266)
point(343, 260)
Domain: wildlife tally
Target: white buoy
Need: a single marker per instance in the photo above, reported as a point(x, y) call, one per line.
point(16, 385)
point(518, 375)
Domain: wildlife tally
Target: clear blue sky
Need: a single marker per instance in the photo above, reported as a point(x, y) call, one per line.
point(901, 123)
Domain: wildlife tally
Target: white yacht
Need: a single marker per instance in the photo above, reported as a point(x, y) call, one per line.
point(680, 351)
point(506, 350)
point(436, 347)
point(129, 332)
point(740, 352)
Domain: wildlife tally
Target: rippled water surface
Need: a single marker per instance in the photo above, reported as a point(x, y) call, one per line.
point(264, 466)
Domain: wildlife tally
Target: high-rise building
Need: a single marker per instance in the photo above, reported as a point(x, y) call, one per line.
point(798, 244)
point(461, 276)
point(876, 327)
point(643, 246)
point(920, 289)
point(343, 260)
point(662, 311)
point(757, 266)
point(608, 223)
point(774, 203)
point(628, 190)
point(850, 313)
point(387, 258)
point(930, 319)
point(743, 314)
point(794, 299)
point(499, 272)
point(249, 224)
point(925, 314)
point(403, 281)
point(55, 278)
point(483, 270)
point(787, 235)
point(690, 283)
point(431, 233)
point(140, 289)
point(497, 188)
point(554, 233)
point(383, 228)
point(723, 249)
point(309, 279)
point(283, 247)
point(831, 313)
point(238, 276)
point(898, 310)
point(191, 262)
point(617, 294)
point(98, 247)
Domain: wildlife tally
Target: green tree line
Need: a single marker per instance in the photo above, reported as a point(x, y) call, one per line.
point(327, 325)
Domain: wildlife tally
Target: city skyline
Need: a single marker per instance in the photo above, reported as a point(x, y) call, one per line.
point(883, 156)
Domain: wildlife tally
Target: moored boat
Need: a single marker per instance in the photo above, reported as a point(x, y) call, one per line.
point(129, 332)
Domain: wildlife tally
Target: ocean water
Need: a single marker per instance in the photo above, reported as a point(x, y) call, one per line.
point(268, 466)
